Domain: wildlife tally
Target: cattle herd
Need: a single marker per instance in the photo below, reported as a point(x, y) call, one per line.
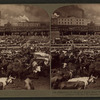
point(73, 69)
point(29, 59)
point(23, 62)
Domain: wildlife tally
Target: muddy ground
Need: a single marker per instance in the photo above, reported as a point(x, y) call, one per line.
point(95, 85)
point(42, 83)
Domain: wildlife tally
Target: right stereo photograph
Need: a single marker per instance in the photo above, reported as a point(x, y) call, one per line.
point(75, 47)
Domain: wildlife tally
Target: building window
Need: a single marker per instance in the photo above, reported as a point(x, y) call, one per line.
point(71, 23)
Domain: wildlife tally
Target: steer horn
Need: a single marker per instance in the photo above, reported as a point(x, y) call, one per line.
point(10, 77)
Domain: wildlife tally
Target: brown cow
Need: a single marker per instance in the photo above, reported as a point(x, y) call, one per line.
point(71, 85)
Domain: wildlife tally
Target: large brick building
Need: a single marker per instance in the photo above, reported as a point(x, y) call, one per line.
point(70, 21)
point(74, 25)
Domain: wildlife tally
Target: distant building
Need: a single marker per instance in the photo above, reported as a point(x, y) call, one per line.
point(29, 24)
point(74, 25)
point(70, 21)
point(25, 28)
point(33, 24)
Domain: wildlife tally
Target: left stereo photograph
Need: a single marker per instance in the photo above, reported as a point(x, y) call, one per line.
point(24, 47)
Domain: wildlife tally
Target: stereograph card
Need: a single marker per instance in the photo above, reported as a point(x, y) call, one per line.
point(50, 50)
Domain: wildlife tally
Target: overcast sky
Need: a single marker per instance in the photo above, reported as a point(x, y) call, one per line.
point(18, 13)
point(91, 11)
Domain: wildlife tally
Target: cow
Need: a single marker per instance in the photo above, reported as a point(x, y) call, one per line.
point(45, 69)
point(29, 84)
point(60, 76)
point(55, 72)
point(4, 64)
point(64, 65)
point(1, 86)
point(55, 81)
point(94, 68)
point(15, 68)
point(71, 85)
point(86, 80)
point(5, 81)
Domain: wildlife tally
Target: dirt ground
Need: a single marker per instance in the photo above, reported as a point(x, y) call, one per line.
point(39, 84)
point(95, 85)
point(43, 83)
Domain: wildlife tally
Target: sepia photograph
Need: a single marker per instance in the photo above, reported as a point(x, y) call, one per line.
point(75, 47)
point(49, 50)
point(24, 47)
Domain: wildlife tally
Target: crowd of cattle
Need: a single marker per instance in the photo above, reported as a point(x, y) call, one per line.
point(25, 68)
point(87, 39)
point(28, 63)
point(12, 40)
point(16, 40)
point(72, 69)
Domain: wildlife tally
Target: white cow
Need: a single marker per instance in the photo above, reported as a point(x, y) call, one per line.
point(28, 84)
point(64, 65)
point(38, 69)
point(6, 80)
point(86, 80)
